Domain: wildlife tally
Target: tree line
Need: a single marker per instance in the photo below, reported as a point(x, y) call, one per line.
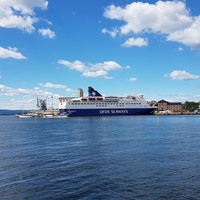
point(191, 106)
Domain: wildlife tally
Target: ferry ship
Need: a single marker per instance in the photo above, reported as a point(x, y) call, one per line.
point(97, 105)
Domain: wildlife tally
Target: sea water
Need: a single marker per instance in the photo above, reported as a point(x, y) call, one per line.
point(133, 157)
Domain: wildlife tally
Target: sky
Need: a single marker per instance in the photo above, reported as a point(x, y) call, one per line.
point(49, 49)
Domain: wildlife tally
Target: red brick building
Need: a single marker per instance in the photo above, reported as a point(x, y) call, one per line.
point(172, 106)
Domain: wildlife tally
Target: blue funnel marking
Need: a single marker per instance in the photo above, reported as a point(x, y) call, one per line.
point(92, 92)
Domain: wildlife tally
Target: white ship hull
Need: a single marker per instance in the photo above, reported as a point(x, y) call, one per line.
point(97, 105)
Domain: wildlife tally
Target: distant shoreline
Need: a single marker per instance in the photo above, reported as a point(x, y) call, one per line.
point(12, 112)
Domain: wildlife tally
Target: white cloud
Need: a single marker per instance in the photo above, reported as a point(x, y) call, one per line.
point(9, 91)
point(132, 79)
point(92, 70)
point(181, 97)
point(159, 17)
point(51, 85)
point(107, 66)
point(140, 42)
point(20, 13)
point(180, 49)
point(170, 18)
point(23, 97)
point(69, 90)
point(182, 75)
point(97, 73)
point(47, 33)
point(76, 65)
point(24, 6)
point(108, 77)
point(11, 53)
point(189, 36)
point(112, 33)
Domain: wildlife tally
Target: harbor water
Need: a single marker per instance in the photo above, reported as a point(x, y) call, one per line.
point(108, 158)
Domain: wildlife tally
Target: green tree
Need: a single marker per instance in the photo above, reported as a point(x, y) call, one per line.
point(190, 106)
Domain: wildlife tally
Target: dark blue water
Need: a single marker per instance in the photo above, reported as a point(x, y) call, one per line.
point(139, 157)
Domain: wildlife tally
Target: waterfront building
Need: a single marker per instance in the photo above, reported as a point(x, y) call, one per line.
point(164, 105)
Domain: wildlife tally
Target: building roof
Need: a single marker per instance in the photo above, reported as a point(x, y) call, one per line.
point(163, 101)
point(169, 103)
point(175, 103)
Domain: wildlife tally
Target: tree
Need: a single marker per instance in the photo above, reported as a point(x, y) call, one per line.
point(190, 106)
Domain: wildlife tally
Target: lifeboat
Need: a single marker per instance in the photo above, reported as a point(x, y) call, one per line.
point(99, 98)
point(84, 99)
point(91, 98)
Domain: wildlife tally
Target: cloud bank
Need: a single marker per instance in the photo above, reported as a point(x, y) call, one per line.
point(182, 75)
point(47, 33)
point(93, 70)
point(20, 13)
point(51, 85)
point(172, 19)
point(11, 53)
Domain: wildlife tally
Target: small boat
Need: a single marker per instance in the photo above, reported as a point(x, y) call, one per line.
point(24, 116)
point(55, 116)
point(61, 115)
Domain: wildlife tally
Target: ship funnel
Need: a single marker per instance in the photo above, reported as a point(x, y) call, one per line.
point(92, 92)
point(80, 92)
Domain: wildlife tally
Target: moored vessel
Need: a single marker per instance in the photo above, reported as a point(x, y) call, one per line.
point(24, 115)
point(97, 105)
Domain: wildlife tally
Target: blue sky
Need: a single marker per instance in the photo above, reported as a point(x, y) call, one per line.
point(49, 49)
